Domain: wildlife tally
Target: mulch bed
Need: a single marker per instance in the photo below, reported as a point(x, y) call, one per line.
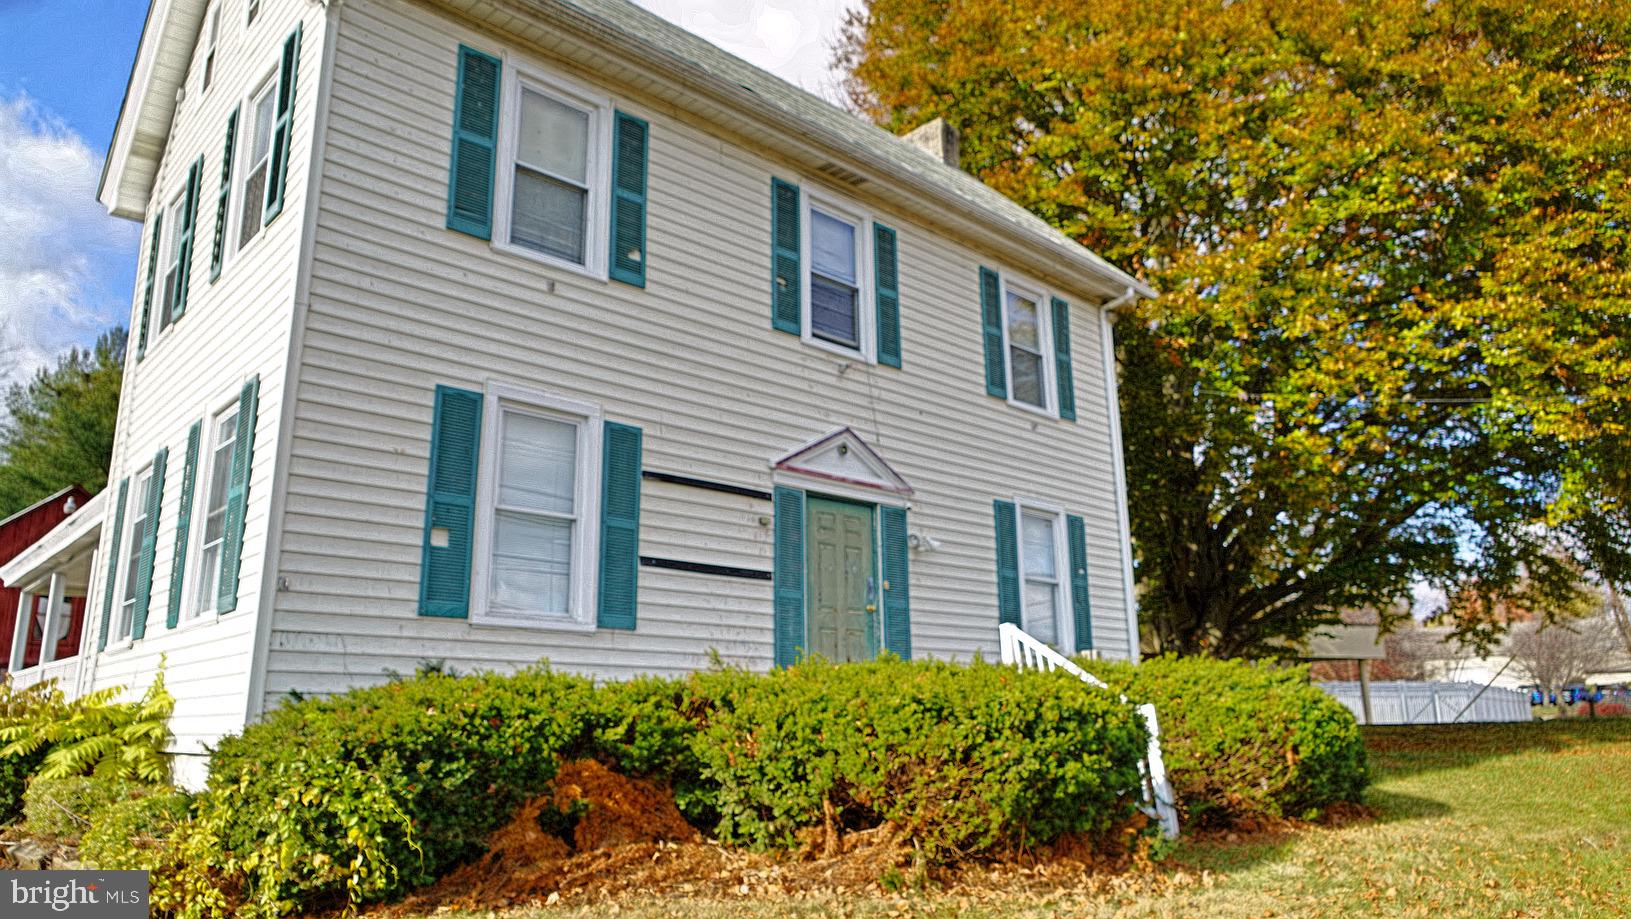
point(629, 843)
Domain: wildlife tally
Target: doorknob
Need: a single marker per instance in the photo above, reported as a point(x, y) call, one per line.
point(872, 607)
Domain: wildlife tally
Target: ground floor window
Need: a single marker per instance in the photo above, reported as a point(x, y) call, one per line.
point(217, 473)
point(537, 504)
point(1041, 562)
point(140, 500)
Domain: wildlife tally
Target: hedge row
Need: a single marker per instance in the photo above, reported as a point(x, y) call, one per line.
point(361, 797)
point(1244, 741)
point(364, 796)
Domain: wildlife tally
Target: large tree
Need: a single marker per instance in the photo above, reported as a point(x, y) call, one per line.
point(58, 430)
point(1392, 241)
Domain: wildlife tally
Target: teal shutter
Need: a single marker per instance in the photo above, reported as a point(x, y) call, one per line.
point(149, 544)
point(1080, 604)
point(113, 564)
point(786, 284)
point(897, 604)
point(630, 137)
point(996, 370)
point(243, 459)
point(184, 242)
point(277, 170)
point(1007, 562)
point(450, 504)
point(619, 526)
point(147, 288)
point(184, 520)
point(475, 144)
point(1061, 360)
point(788, 571)
point(886, 272)
point(218, 246)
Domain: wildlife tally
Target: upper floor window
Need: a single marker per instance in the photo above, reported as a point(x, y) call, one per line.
point(257, 157)
point(835, 278)
point(554, 172)
point(536, 508)
point(170, 258)
point(211, 42)
point(1024, 321)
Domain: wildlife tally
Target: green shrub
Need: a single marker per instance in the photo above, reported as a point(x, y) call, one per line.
point(93, 733)
point(1245, 741)
point(16, 769)
point(134, 834)
point(961, 758)
point(60, 809)
point(366, 795)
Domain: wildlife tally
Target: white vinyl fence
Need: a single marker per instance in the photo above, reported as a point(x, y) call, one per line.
point(1404, 702)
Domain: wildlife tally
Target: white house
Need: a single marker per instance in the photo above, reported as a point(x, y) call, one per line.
point(491, 331)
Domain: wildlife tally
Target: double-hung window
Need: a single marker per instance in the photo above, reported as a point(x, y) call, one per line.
point(223, 435)
point(211, 43)
point(170, 258)
point(136, 513)
point(1042, 581)
point(535, 546)
point(1025, 325)
point(257, 157)
point(835, 278)
point(554, 172)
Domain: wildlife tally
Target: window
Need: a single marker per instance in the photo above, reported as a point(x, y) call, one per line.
point(171, 259)
point(835, 286)
point(140, 500)
point(257, 154)
point(223, 435)
point(253, 11)
point(1024, 326)
point(537, 503)
point(1041, 584)
point(213, 40)
point(556, 171)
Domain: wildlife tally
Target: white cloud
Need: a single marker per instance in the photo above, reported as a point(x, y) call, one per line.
point(61, 255)
point(792, 39)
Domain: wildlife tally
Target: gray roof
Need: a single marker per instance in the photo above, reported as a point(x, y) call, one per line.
point(890, 153)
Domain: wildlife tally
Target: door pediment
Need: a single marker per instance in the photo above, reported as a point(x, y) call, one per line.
point(842, 456)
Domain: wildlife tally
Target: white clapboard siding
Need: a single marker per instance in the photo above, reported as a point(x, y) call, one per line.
point(400, 304)
point(233, 329)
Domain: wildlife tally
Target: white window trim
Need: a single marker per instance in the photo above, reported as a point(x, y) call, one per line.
point(1066, 626)
point(136, 497)
point(193, 613)
point(240, 169)
point(212, 46)
point(586, 536)
point(159, 309)
point(519, 75)
point(865, 306)
point(1044, 329)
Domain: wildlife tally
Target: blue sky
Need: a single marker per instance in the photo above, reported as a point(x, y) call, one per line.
point(67, 269)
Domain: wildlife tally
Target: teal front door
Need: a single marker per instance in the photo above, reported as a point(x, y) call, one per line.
point(843, 613)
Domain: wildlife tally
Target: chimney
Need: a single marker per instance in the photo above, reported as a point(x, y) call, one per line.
point(938, 139)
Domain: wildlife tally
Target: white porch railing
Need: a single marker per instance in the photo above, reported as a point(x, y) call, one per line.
point(1020, 650)
point(64, 672)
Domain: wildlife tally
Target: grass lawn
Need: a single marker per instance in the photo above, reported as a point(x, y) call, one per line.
point(1523, 820)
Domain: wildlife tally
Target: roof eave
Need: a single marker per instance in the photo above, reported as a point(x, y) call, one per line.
point(1085, 262)
point(143, 126)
